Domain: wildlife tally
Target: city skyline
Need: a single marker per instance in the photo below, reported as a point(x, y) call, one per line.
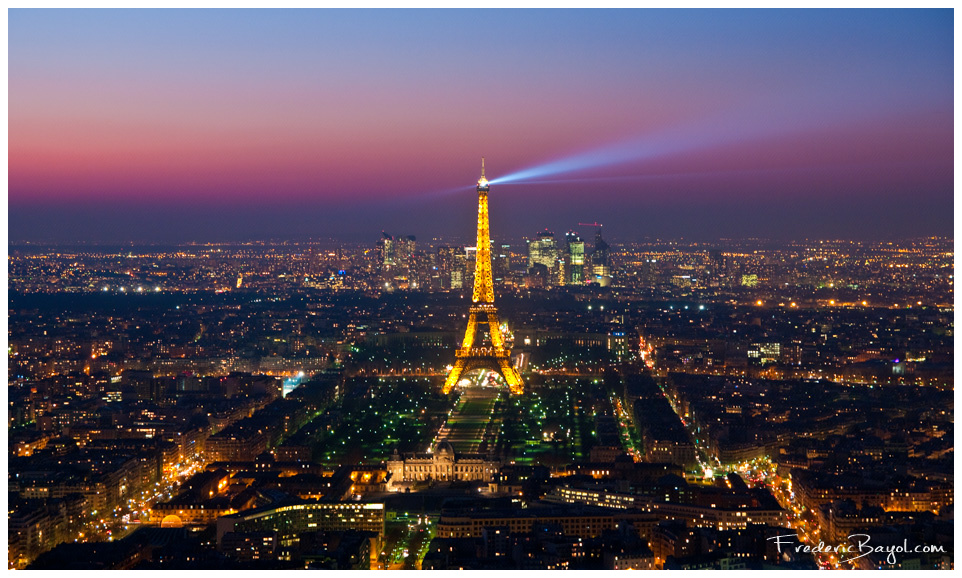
point(281, 405)
point(229, 125)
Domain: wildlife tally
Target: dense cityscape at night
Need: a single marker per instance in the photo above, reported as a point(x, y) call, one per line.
point(495, 383)
point(285, 372)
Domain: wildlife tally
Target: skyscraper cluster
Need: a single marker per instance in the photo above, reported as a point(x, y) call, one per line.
point(569, 262)
point(542, 262)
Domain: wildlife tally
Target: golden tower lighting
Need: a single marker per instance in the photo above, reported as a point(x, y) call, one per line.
point(472, 355)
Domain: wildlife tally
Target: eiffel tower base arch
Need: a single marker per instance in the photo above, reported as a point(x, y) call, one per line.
point(501, 364)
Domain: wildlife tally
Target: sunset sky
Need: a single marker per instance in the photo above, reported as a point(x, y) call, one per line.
point(210, 125)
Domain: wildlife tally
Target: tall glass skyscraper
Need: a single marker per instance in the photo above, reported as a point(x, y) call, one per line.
point(575, 249)
point(543, 250)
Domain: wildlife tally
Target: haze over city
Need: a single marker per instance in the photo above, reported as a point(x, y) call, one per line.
point(184, 125)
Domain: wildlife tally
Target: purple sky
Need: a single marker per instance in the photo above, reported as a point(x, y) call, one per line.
point(179, 125)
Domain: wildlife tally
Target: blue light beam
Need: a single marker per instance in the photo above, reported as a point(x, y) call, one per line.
point(762, 119)
point(644, 148)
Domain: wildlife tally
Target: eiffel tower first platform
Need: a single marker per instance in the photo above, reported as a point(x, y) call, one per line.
point(472, 355)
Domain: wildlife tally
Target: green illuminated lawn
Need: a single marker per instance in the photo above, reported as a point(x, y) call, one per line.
point(396, 413)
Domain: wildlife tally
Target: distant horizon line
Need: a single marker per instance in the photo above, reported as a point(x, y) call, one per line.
point(375, 238)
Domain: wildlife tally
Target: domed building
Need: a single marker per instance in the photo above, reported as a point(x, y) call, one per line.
point(442, 464)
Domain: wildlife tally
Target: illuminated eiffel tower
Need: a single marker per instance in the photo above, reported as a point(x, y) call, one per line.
point(470, 355)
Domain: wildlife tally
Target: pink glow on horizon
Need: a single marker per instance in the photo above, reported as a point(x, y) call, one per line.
point(182, 109)
point(239, 150)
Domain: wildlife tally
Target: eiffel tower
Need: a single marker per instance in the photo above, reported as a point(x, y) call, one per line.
point(471, 355)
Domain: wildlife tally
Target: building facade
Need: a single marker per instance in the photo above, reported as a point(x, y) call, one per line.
point(543, 250)
point(442, 464)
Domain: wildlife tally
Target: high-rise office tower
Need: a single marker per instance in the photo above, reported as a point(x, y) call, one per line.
point(452, 266)
point(386, 251)
point(403, 250)
point(501, 261)
point(543, 250)
point(600, 268)
point(575, 249)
